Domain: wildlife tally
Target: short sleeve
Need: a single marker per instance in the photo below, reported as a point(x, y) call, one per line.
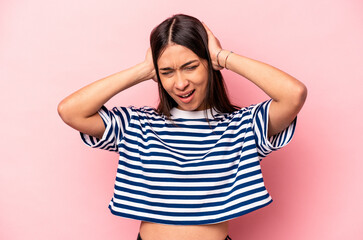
point(264, 144)
point(116, 122)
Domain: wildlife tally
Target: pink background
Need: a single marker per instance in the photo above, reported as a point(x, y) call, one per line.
point(52, 186)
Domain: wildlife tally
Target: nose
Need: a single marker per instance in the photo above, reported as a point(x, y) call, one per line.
point(181, 82)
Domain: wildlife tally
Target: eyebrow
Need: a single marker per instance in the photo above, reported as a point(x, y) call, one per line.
point(184, 65)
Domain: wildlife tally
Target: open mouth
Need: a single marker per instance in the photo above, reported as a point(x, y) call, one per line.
point(187, 95)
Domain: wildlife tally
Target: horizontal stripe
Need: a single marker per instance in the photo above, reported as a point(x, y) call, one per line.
point(213, 199)
point(187, 220)
point(194, 188)
point(187, 170)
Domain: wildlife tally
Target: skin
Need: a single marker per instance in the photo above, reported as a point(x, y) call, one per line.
point(79, 110)
point(182, 72)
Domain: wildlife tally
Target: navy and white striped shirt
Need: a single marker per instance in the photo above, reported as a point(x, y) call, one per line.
point(188, 171)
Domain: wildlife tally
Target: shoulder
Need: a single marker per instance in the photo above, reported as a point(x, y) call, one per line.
point(144, 112)
point(256, 107)
point(248, 112)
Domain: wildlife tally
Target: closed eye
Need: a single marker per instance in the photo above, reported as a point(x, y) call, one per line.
point(166, 73)
point(192, 67)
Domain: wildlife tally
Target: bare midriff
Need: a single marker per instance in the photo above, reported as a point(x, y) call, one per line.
point(156, 231)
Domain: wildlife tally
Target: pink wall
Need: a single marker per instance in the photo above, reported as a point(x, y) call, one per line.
point(53, 187)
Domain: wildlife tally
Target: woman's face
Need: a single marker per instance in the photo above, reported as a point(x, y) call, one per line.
point(184, 76)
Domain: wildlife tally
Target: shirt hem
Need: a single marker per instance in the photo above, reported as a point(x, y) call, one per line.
point(199, 222)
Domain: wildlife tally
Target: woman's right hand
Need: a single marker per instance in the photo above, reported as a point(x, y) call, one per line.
point(150, 66)
point(80, 109)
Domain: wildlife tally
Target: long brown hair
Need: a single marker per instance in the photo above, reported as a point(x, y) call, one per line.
point(189, 32)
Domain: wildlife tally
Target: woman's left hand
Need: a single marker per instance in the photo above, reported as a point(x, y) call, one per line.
point(214, 47)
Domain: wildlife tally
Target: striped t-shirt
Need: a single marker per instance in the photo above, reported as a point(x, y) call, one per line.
point(188, 171)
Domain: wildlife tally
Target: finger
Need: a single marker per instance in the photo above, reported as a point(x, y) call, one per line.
point(207, 28)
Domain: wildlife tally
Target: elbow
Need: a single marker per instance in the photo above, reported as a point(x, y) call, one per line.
point(299, 95)
point(302, 93)
point(62, 112)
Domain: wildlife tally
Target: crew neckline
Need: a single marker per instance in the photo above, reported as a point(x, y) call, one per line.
point(178, 113)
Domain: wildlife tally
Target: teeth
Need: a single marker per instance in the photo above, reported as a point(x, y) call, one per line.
point(187, 95)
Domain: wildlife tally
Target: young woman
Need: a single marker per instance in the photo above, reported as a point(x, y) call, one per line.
point(191, 165)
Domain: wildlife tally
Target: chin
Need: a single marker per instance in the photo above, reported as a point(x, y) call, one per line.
point(189, 108)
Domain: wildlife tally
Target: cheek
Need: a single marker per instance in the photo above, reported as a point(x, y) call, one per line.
point(203, 80)
point(203, 76)
point(166, 85)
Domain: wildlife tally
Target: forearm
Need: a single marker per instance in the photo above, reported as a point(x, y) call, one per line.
point(88, 100)
point(277, 84)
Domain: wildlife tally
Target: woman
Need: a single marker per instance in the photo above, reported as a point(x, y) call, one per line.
point(189, 166)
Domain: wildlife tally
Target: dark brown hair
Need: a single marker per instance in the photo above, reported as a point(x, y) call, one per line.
point(189, 32)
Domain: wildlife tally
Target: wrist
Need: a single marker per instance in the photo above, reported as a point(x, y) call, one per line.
point(223, 58)
point(143, 71)
point(217, 58)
